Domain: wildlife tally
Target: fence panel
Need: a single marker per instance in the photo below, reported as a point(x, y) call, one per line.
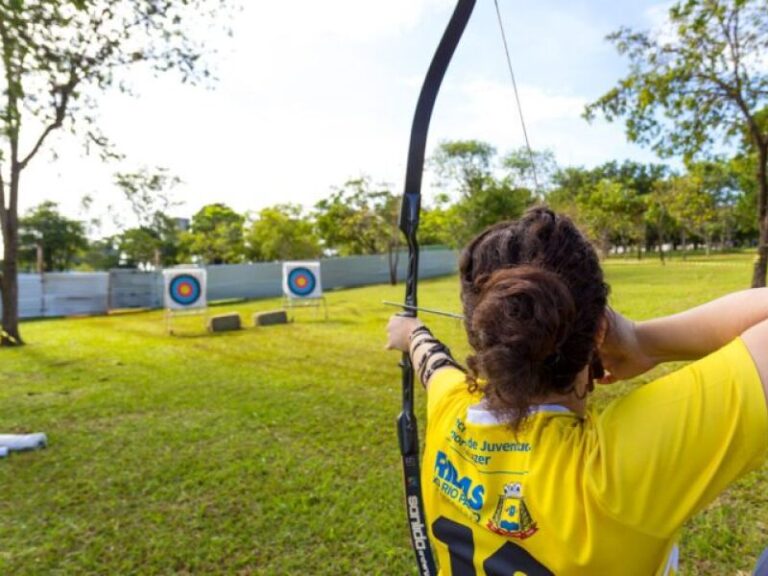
point(358, 270)
point(434, 263)
point(75, 293)
point(30, 296)
point(366, 270)
point(135, 289)
point(260, 280)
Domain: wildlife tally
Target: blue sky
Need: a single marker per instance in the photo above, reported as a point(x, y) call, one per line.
point(312, 93)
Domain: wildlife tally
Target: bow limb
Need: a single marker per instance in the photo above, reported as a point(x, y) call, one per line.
point(409, 224)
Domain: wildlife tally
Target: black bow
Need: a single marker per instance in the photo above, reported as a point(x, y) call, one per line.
point(409, 224)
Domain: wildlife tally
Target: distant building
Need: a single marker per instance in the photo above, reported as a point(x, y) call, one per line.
point(182, 224)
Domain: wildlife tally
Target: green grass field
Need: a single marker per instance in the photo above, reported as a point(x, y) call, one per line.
point(266, 451)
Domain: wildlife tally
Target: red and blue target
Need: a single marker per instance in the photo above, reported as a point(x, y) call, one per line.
point(184, 289)
point(301, 281)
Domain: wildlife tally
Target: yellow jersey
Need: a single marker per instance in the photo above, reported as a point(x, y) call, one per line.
point(602, 494)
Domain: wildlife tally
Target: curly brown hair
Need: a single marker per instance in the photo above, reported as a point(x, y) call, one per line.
point(533, 296)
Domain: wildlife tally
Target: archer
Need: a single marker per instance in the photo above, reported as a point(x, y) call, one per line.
point(594, 493)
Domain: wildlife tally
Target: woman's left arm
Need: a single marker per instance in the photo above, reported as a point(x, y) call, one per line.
point(428, 354)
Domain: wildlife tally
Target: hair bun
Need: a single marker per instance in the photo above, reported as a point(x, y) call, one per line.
point(527, 310)
point(533, 296)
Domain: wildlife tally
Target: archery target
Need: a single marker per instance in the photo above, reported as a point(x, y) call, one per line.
point(185, 289)
point(302, 280)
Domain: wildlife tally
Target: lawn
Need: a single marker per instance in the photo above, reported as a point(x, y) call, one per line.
point(267, 451)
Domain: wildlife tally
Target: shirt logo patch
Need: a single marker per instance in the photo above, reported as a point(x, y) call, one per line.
point(512, 518)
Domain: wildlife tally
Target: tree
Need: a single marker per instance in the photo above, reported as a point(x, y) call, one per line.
point(148, 192)
point(497, 200)
point(691, 207)
point(56, 56)
point(439, 223)
point(533, 170)
point(139, 247)
point(216, 235)
point(658, 207)
point(469, 166)
point(743, 167)
point(282, 232)
point(156, 239)
point(703, 82)
point(465, 164)
point(359, 218)
point(639, 177)
point(567, 184)
point(613, 212)
point(101, 254)
point(720, 183)
point(48, 236)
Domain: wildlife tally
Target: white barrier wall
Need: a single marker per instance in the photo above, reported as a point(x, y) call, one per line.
point(366, 270)
point(30, 296)
point(75, 293)
point(261, 280)
point(135, 289)
point(63, 294)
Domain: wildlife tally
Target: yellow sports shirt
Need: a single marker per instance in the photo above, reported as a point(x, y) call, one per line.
point(605, 494)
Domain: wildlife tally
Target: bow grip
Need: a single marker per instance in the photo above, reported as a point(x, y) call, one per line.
point(409, 214)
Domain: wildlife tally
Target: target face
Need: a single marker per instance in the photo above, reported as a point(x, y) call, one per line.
point(185, 290)
point(301, 281)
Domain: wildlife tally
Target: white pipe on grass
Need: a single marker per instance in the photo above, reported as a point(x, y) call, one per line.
point(19, 442)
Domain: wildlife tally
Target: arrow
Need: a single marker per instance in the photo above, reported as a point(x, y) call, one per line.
point(420, 309)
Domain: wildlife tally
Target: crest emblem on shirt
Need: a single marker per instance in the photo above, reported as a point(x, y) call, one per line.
point(511, 517)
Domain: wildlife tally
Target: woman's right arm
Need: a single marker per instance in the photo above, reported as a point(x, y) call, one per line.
point(631, 348)
point(680, 440)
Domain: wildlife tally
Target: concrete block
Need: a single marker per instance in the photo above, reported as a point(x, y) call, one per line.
point(224, 322)
point(270, 318)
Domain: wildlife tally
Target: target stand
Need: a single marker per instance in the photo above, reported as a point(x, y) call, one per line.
point(302, 287)
point(184, 294)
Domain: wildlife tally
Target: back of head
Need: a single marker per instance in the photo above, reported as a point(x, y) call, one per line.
point(533, 296)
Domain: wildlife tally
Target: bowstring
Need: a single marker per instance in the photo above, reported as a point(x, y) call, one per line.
point(517, 97)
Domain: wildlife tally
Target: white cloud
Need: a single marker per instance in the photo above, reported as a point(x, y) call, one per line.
point(312, 93)
point(657, 15)
point(306, 22)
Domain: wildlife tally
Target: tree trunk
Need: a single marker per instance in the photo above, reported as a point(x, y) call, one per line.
point(10, 284)
point(661, 247)
point(685, 245)
point(9, 335)
point(761, 262)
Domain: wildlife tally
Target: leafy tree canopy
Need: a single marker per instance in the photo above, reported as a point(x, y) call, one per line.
point(359, 218)
point(155, 240)
point(699, 84)
point(216, 235)
point(59, 238)
point(56, 57)
point(282, 232)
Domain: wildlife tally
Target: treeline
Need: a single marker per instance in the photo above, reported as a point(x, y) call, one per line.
point(625, 207)
point(356, 219)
